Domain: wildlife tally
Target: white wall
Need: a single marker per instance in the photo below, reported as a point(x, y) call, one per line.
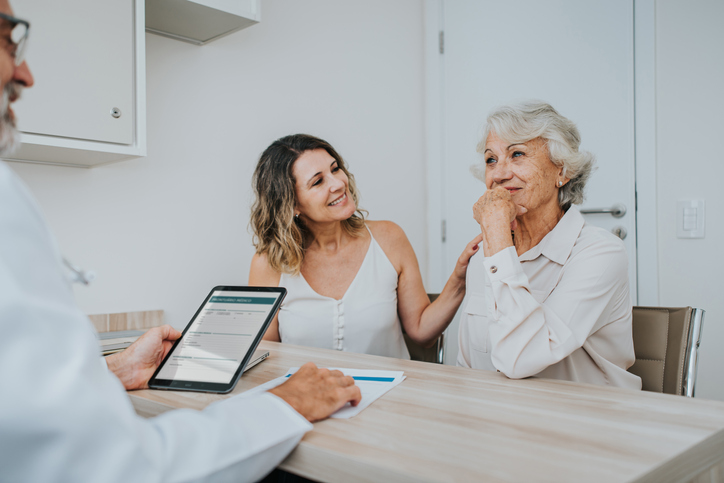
point(690, 164)
point(162, 230)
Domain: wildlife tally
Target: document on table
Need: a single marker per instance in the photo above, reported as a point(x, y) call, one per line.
point(372, 385)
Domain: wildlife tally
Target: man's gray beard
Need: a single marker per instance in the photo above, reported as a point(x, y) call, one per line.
point(9, 134)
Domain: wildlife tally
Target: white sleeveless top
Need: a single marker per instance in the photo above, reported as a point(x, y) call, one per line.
point(364, 320)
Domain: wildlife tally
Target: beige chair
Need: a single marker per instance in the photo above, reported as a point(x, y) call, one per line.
point(666, 343)
point(436, 353)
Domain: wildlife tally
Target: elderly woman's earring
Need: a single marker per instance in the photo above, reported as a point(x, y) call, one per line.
point(560, 183)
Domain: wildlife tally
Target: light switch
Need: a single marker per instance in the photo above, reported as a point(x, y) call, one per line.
point(690, 218)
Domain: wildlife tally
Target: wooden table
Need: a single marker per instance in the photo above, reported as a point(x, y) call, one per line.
point(447, 423)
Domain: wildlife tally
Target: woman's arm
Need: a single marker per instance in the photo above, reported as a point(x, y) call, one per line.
point(262, 275)
point(438, 315)
point(423, 321)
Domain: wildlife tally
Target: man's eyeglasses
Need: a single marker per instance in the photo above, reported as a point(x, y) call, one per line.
point(17, 39)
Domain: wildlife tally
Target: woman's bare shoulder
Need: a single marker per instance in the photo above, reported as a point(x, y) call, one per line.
point(386, 231)
point(391, 238)
point(261, 273)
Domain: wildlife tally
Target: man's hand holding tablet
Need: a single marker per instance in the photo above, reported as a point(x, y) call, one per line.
point(135, 365)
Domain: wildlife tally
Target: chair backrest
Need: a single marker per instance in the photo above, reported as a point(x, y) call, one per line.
point(666, 343)
point(436, 353)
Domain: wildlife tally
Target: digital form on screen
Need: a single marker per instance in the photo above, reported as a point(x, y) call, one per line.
point(219, 337)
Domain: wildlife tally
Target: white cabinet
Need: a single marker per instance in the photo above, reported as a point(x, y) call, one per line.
point(88, 103)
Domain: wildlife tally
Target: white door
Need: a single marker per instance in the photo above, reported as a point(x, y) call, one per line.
point(575, 54)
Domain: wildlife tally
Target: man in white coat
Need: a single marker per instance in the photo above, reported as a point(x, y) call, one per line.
point(64, 415)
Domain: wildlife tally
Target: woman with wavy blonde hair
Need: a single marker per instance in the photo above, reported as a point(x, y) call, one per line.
point(352, 283)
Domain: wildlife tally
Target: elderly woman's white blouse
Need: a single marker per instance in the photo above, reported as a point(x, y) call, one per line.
point(562, 310)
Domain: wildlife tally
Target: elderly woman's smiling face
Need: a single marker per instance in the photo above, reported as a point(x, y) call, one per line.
point(526, 171)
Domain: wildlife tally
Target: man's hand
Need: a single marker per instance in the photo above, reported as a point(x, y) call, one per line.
point(135, 365)
point(317, 393)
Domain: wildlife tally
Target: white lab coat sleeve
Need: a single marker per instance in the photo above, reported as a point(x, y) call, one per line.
point(264, 427)
point(526, 335)
point(64, 417)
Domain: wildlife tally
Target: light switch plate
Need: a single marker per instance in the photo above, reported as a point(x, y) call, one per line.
point(690, 219)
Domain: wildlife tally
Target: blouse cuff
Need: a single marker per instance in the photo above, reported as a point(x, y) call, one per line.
point(502, 265)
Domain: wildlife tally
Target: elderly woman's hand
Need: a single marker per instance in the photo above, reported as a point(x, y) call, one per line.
point(496, 211)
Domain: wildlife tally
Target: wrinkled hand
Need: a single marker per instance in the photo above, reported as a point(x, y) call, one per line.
point(496, 213)
point(317, 393)
point(135, 365)
point(496, 206)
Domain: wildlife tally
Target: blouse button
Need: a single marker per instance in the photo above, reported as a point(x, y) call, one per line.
point(493, 269)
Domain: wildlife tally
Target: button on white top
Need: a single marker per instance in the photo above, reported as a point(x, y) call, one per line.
point(493, 269)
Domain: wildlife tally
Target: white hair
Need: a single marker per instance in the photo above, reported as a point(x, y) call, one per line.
point(520, 123)
point(9, 135)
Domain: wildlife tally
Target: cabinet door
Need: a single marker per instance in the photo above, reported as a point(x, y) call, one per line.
point(81, 53)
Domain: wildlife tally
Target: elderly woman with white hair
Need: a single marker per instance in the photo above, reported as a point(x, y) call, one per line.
point(549, 295)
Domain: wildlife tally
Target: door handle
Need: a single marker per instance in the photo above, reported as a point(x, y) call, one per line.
point(617, 211)
point(620, 232)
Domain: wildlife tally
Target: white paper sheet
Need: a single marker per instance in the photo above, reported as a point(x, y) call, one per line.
point(372, 384)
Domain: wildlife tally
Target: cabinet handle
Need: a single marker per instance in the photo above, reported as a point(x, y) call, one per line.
point(115, 112)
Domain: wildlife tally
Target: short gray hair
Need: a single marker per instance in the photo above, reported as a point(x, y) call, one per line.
point(520, 123)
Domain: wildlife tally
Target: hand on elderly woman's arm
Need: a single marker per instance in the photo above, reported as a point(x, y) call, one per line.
point(495, 211)
point(457, 278)
point(437, 316)
point(423, 322)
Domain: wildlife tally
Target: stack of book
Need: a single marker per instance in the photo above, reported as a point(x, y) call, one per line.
point(112, 342)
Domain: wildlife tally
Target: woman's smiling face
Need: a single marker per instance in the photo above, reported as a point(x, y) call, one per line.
point(322, 188)
point(525, 170)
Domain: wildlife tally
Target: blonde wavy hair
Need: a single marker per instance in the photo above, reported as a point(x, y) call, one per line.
point(278, 234)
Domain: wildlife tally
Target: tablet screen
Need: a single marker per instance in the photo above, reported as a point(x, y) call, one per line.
point(224, 331)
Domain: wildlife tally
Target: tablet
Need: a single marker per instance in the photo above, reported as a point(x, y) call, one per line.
point(220, 340)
